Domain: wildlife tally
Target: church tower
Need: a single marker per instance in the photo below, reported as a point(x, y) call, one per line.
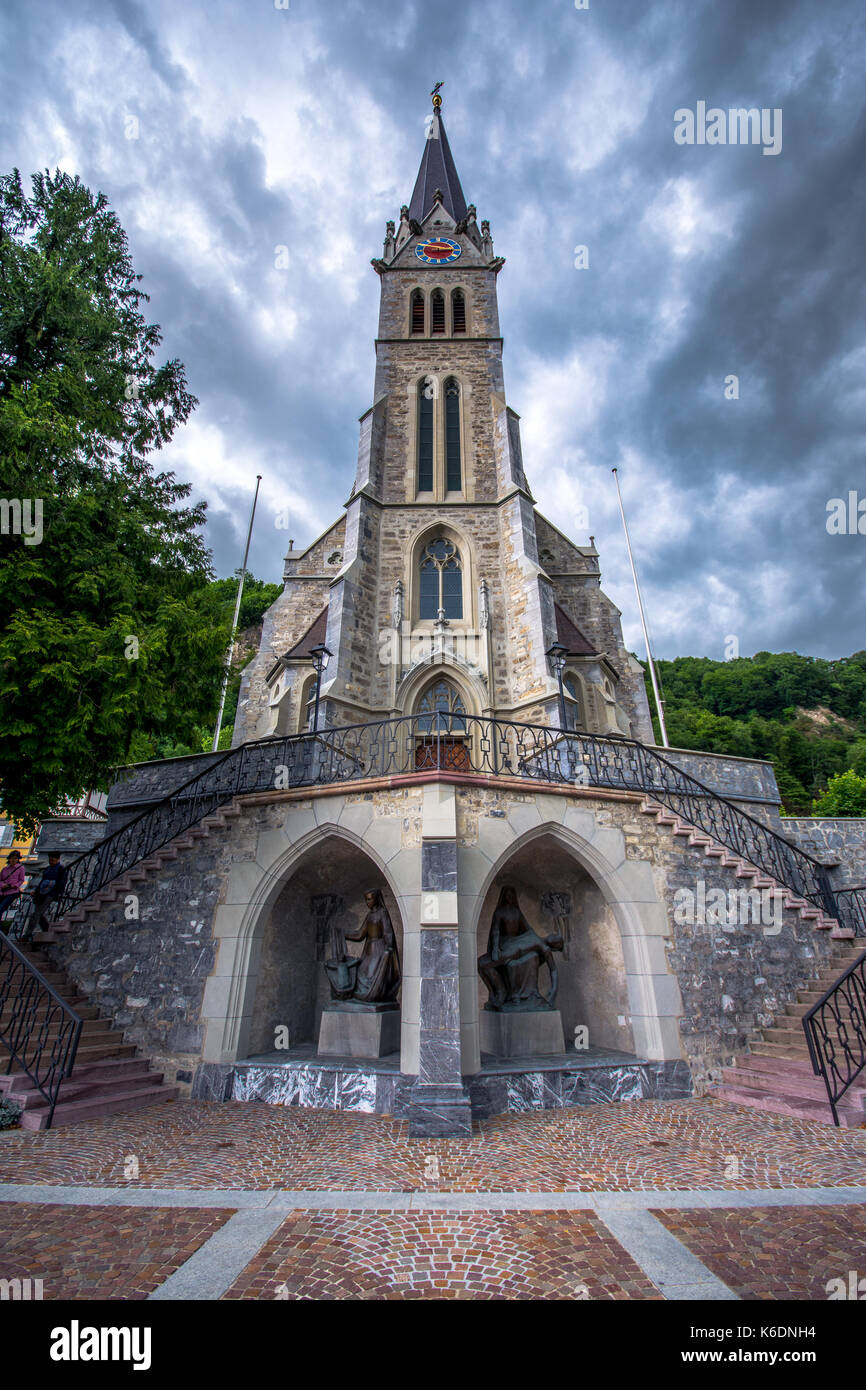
point(442, 587)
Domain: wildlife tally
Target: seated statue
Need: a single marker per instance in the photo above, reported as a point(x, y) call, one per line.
point(374, 976)
point(515, 954)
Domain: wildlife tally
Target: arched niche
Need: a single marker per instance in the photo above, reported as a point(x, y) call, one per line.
point(327, 885)
point(557, 894)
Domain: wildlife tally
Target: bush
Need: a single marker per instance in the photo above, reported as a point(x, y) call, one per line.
point(845, 796)
point(10, 1113)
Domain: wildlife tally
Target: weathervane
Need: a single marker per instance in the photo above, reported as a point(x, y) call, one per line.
point(437, 100)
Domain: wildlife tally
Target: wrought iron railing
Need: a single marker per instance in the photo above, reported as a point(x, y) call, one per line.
point(836, 1033)
point(449, 744)
point(851, 904)
point(39, 1029)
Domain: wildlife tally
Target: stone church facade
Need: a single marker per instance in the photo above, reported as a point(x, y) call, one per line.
point(442, 776)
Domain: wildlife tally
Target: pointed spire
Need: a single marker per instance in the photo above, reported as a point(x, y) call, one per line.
point(437, 178)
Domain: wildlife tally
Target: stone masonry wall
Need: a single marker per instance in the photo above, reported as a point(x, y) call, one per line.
point(836, 841)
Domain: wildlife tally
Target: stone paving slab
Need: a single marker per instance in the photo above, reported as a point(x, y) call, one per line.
point(773, 1253)
point(442, 1255)
point(100, 1253)
point(636, 1145)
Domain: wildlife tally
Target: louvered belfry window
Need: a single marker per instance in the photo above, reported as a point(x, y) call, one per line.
point(458, 312)
point(453, 471)
point(437, 312)
point(417, 312)
point(425, 435)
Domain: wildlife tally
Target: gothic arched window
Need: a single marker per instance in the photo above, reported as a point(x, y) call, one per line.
point(571, 684)
point(453, 470)
point(440, 708)
point(440, 581)
point(458, 312)
point(425, 435)
point(308, 704)
point(437, 312)
point(417, 311)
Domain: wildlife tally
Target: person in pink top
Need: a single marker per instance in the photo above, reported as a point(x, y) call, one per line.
point(12, 880)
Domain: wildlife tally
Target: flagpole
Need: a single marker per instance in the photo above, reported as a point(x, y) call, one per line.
point(228, 660)
point(651, 663)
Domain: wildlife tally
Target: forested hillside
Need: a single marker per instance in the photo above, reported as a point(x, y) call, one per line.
point(806, 714)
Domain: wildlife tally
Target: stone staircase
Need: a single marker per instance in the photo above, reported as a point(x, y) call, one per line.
point(107, 1075)
point(126, 882)
point(777, 1074)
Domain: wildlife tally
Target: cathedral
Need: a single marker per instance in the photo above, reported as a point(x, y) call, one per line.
point(442, 587)
point(444, 872)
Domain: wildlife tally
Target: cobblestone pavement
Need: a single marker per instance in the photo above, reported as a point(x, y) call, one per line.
point(636, 1145)
point(94, 1253)
point(442, 1255)
point(776, 1252)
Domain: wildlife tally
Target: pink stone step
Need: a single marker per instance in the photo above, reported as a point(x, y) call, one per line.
point(795, 1106)
point(76, 1111)
point(790, 1085)
point(72, 1089)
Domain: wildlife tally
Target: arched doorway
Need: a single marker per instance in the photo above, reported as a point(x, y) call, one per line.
point(442, 730)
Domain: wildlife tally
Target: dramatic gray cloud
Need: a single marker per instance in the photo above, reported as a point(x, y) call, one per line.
point(221, 133)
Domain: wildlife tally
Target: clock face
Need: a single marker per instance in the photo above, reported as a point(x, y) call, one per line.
point(439, 251)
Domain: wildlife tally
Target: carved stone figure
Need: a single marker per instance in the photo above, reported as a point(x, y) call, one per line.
point(373, 978)
point(515, 955)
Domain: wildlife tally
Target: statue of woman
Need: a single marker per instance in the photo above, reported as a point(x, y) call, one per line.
point(515, 954)
point(378, 978)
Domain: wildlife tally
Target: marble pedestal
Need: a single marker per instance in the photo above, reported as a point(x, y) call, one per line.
point(352, 1032)
point(516, 1034)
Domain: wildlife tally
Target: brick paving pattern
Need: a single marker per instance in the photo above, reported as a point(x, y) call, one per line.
point(767, 1253)
point(93, 1253)
point(636, 1145)
point(442, 1255)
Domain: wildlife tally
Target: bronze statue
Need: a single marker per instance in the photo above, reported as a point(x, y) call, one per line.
point(515, 954)
point(373, 978)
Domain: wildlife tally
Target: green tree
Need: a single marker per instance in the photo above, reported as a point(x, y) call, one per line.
point(845, 796)
point(110, 627)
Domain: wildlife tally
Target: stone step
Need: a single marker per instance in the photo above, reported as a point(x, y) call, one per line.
point(781, 1080)
point(74, 1112)
point(72, 1089)
point(794, 1022)
point(795, 1106)
point(111, 1069)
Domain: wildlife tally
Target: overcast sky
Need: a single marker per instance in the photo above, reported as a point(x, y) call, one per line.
point(221, 131)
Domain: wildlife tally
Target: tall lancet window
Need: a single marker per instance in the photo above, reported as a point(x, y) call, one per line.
point(437, 312)
point(458, 312)
point(440, 580)
point(453, 470)
point(425, 435)
point(417, 311)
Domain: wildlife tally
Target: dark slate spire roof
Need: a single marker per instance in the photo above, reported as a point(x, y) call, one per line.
point(438, 171)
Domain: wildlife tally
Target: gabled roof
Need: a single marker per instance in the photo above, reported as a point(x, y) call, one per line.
point(314, 635)
point(438, 172)
point(571, 636)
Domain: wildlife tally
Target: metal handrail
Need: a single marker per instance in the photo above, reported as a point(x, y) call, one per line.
point(835, 1030)
point(464, 743)
point(852, 909)
point(44, 1048)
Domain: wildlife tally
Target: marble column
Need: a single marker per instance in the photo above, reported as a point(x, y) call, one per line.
point(439, 1101)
